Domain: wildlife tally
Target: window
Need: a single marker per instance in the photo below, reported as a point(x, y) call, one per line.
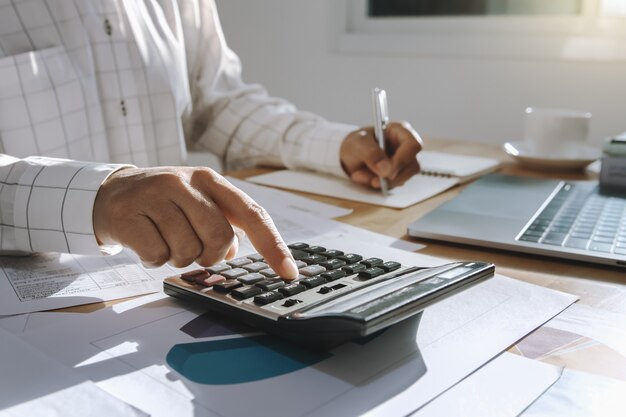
point(378, 8)
point(588, 30)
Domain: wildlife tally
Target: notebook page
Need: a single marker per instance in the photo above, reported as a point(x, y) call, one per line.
point(418, 188)
point(462, 166)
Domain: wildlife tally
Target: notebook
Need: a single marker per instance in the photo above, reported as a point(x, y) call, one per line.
point(440, 171)
point(464, 168)
point(565, 219)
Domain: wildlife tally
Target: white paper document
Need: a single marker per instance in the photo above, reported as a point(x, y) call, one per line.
point(32, 384)
point(504, 387)
point(274, 200)
point(579, 394)
point(20, 323)
point(604, 327)
point(167, 357)
point(418, 188)
point(48, 281)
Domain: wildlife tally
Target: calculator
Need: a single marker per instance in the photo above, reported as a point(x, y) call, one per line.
point(337, 296)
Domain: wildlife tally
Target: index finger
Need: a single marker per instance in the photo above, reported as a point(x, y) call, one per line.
point(245, 213)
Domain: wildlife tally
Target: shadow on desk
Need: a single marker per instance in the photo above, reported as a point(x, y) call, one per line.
point(127, 352)
point(359, 375)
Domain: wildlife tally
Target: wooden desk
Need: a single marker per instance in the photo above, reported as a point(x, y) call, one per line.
point(598, 286)
point(601, 287)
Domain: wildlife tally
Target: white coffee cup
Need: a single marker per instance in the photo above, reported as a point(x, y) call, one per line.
point(555, 133)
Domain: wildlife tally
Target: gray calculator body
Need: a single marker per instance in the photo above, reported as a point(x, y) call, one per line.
point(333, 307)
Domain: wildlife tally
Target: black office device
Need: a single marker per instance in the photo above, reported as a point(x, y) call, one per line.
point(337, 297)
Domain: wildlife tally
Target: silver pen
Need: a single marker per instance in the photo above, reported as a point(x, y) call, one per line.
point(381, 120)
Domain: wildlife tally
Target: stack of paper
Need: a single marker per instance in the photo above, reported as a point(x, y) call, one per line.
point(132, 351)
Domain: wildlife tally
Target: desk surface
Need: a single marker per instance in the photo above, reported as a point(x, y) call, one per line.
point(597, 286)
point(601, 287)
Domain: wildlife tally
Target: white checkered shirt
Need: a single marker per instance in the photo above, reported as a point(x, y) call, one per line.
point(126, 82)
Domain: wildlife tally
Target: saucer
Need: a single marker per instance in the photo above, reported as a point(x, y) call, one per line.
point(580, 157)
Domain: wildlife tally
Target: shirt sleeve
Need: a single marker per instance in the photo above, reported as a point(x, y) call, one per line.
point(241, 123)
point(46, 204)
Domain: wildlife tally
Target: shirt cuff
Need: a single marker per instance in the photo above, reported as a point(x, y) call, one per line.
point(53, 206)
point(320, 148)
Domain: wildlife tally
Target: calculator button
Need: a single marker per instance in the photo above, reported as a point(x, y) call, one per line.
point(316, 249)
point(255, 266)
point(255, 257)
point(327, 289)
point(332, 253)
point(353, 269)
point(298, 245)
point(299, 254)
point(251, 278)
point(291, 289)
point(246, 292)
point(227, 286)
point(312, 282)
point(300, 264)
point(269, 273)
point(291, 302)
point(191, 275)
point(268, 297)
point(370, 273)
point(370, 262)
point(333, 275)
point(351, 258)
point(270, 284)
point(212, 280)
point(314, 259)
point(234, 273)
point(333, 264)
point(238, 262)
point(390, 266)
point(312, 270)
point(218, 268)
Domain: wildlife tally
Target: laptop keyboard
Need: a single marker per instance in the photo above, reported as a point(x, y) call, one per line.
point(579, 217)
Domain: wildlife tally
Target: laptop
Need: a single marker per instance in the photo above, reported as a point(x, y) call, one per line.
point(564, 219)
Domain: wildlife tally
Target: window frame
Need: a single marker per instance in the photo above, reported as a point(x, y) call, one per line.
point(588, 37)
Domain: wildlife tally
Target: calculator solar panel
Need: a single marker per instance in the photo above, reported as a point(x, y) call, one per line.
point(337, 296)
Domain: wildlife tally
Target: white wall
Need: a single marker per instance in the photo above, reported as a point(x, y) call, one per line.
point(286, 46)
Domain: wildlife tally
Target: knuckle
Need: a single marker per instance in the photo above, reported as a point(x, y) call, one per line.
point(259, 213)
point(416, 143)
point(159, 186)
point(208, 259)
point(171, 178)
point(205, 174)
point(223, 233)
point(405, 124)
point(157, 256)
point(217, 244)
point(412, 136)
point(187, 254)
